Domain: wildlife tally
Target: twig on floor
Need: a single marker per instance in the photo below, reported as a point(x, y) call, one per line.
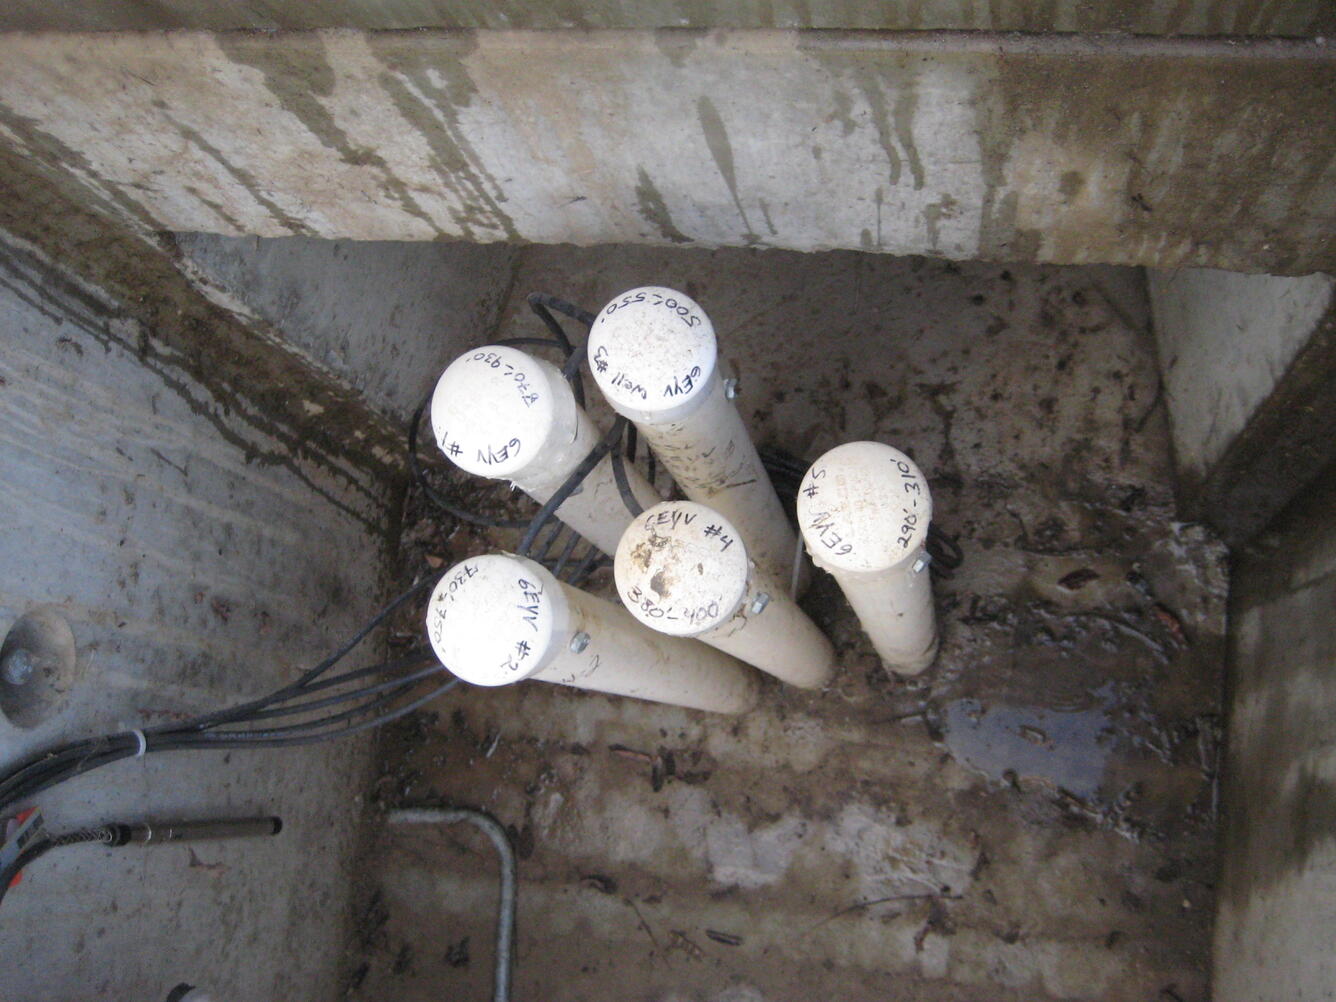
point(860, 905)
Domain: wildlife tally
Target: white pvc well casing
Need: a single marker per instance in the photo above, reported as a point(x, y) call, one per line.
point(864, 510)
point(498, 412)
point(683, 569)
point(500, 618)
point(654, 355)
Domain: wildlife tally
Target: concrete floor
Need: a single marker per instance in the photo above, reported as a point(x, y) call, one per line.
point(1032, 819)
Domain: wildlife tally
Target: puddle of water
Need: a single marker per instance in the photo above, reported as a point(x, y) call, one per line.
point(1066, 748)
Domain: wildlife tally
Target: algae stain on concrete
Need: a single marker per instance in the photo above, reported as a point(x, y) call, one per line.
point(906, 106)
point(654, 210)
point(843, 113)
point(298, 74)
point(944, 208)
point(428, 89)
point(881, 120)
point(716, 138)
point(993, 127)
point(765, 214)
point(879, 200)
point(217, 209)
point(53, 156)
point(240, 175)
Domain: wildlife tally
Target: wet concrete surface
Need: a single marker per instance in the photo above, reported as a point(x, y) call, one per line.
point(1033, 818)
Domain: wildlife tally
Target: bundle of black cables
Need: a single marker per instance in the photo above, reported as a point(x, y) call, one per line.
point(360, 699)
point(335, 706)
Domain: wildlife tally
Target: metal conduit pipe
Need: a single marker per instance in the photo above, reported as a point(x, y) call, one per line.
point(654, 355)
point(505, 909)
point(499, 618)
point(864, 510)
point(500, 413)
point(684, 569)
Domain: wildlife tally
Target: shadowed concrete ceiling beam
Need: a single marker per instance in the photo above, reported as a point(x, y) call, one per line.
point(1142, 17)
point(1068, 149)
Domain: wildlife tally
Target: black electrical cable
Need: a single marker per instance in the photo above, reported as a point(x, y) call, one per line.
point(540, 302)
point(311, 674)
point(651, 469)
point(561, 306)
point(540, 309)
point(623, 484)
point(109, 835)
point(284, 735)
point(596, 454)
point(946, 553)
point(540, 554)
point(571, 370)
point(564, 557)
point(587, 566)
point(30, 854)
point(380, 668)
point(46, 769)
point(343, 697)
point(310, 732)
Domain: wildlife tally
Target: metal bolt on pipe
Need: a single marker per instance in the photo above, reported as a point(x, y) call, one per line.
point(684, 569)
point(864, 510)
point(654, 355)
point(499, 619)
point(500, 413)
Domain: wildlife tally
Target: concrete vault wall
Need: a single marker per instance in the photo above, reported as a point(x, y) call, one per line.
point(1068, 149)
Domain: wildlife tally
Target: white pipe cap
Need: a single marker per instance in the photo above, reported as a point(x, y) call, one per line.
point(681, 568)
point(652, 350)
point(493, 410)
point(864, 507)
point(497, 619)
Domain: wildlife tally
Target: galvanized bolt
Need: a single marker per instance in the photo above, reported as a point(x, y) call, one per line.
point(579, 642)
point(730, 388)
point(18, 666)
point(921, 563)
point(760, 602)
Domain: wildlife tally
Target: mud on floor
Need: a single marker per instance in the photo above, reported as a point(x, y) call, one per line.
point(1031, 819)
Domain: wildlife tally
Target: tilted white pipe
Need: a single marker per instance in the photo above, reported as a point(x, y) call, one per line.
point(500, 413)
point(683, 569)
point(864, 510)
point(654, 356)
point(499, 618)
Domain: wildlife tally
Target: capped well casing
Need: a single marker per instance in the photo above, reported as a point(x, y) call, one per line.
point(682, 568)
point(496, 619)
point(495, 408)
point(653, 353)
point(864, 507)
